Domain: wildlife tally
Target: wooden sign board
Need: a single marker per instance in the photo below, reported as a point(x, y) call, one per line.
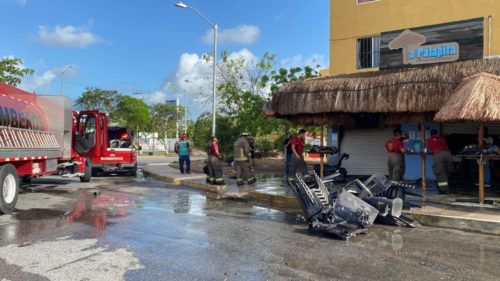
point(446, 42)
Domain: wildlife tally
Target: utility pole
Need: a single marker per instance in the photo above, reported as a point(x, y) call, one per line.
point(177, 118)
point(154, 132)
point(214, 73)
point(62, 77)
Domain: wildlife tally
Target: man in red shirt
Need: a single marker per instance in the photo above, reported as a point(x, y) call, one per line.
point(442, 164)
point(214, 167)
point(396, 159)
point(297, 162)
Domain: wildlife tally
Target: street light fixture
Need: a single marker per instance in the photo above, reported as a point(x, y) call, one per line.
point(62, 77)
point(215, 27)
point(181, 5)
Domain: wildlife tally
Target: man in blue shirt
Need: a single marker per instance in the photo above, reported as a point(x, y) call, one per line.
point(183, 149)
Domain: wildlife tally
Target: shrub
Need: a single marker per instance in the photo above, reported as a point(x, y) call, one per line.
point(265, 146)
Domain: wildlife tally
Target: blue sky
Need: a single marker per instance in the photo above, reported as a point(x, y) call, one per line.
point(142, 46)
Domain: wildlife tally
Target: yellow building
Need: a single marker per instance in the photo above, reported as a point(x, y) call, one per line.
point(413, 55)
point(357, 26)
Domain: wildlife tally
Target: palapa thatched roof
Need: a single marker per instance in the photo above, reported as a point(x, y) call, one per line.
point(476, 99)
point(413, 93)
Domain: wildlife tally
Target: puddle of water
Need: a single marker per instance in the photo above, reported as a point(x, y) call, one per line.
point(274, 185)
point(96, 209)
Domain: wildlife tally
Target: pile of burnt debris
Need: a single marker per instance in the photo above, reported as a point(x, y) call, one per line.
point(352, 209)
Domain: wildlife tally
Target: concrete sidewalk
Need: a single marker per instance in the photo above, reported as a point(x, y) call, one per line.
point(469, 218)
point(264, 194)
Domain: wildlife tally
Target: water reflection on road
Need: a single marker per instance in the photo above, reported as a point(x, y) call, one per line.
point(171, 229)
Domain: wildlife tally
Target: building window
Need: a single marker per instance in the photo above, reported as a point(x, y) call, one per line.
point(365, 1)
point(368, 52)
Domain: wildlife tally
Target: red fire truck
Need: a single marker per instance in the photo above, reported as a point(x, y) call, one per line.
point(109, 147)
point(43, 135)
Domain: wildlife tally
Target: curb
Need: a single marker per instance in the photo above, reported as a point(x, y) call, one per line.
point(285, 202)
point(275, 200)
point(269, 199)
point(188, 182)
point(464, 224)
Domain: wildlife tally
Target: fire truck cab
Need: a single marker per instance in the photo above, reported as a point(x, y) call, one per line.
point(110, 148)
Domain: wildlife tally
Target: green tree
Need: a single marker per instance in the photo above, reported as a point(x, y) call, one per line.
point(132, 113)
point(100, 99)
point(280, 77)
point(201, 132)
point(244, 91)
point(164, 117)
point(11, 71)
point(244, 88)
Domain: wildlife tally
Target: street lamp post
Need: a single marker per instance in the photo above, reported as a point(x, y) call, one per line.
point(62, 78)
point(215, 27)
point(184, 102)
point(185, 114)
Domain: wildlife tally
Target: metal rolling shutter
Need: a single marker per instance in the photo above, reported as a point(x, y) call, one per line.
point(366, 150)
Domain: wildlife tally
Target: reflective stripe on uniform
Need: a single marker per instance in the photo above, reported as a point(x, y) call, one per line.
point(443, 183)
point(242, 155)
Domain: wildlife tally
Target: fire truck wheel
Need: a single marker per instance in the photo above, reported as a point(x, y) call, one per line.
point(133, 172)
point(9, 188)
point(88, 171)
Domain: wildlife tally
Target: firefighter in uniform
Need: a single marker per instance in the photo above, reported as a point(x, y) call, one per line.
point(442, 164)
point(297, 163)
point(242, 160)
point(396, 159)
point(251, 142)
point(214, 166)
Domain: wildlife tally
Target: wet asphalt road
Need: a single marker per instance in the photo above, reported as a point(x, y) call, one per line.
point(119, 228)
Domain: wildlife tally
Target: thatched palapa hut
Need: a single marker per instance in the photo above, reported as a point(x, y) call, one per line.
point(393, 96)
point(374, 100)
point(477, 99)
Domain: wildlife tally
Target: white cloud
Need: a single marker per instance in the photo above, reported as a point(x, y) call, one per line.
point(194, 72)
point(242, 34)
point(245, 54)
point(156, 97)
point(35, 82)
point(67, 36)
point(193, 77)
point(301, 61)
